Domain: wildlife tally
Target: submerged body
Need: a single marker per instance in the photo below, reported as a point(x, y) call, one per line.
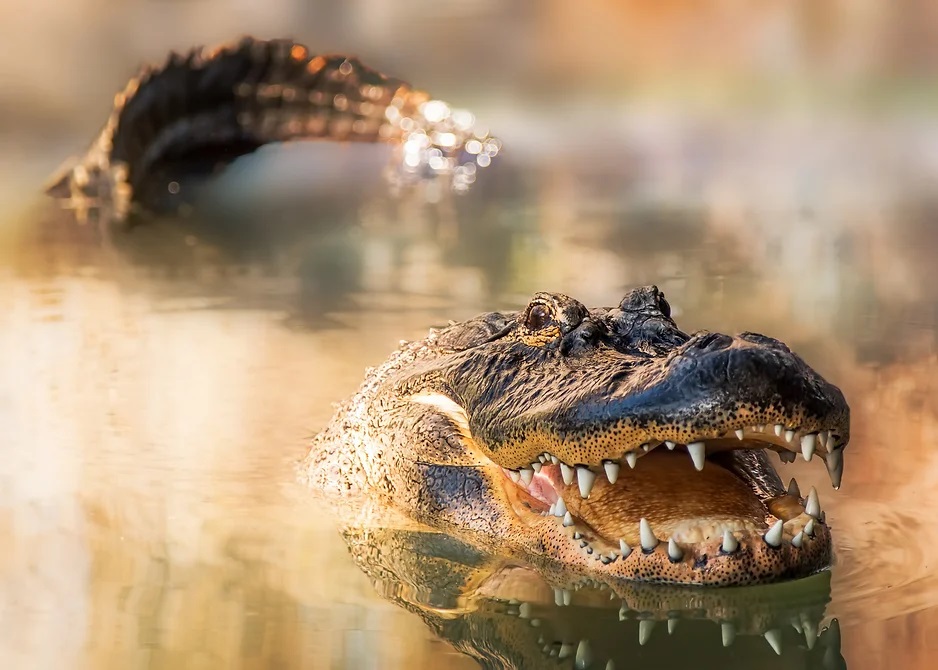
point(602, 442)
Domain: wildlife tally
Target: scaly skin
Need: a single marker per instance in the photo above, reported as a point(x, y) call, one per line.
point(448, 428)
point(200, 111)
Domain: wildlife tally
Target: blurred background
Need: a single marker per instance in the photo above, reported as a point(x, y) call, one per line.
point(771, 166)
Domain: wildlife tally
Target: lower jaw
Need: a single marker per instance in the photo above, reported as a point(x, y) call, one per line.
point(689, 553)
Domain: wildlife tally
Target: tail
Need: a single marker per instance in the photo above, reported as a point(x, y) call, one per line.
point(213, 105)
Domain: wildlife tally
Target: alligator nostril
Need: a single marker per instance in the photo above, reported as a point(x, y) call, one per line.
point(713, 342)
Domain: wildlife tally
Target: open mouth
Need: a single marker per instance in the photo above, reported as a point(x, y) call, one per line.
point(712, 510)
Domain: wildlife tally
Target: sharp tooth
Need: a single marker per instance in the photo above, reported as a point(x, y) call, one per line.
point(645, 626)
point(729, 633)
point(553, 510)
point(583, 544)
point(567, 520)
point(670, 445)
point(760, 428)
point(554, 460)
point(612, 471)
point(812, 505)
point(648, 539)
point(674, 551)
point(584, 655)
point(646, 447)
point(631, 458)
point(625, 549)
point(778, 429)
point(809, 528)
point(822, 438)
point(514, 475)
point(739, 433)
point(793, 489)
point(798, 540)
point(541, 458)
point(577, 536)
point(698, 454)
point(773, 536)
point(786, 456)
point(567, 472)
point(774, 638)
point(810, 632)
point(559, 507)
point(585, 478)
point(672, 624)
point(565, 650)
point(567, 597)
point(536, 466)
point(730, 543)
point(527, 474)
point(789, 435)
point(558, 597)
point(808, 445)
point(835, 466)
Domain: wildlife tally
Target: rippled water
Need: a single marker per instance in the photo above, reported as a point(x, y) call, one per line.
point(157, 386)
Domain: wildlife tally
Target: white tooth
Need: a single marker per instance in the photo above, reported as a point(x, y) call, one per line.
point(585, 478)
point(565, 650)
point(631, 458)
point(674, 551)
point(739, 433)
point(542, 459)
point(822, 438)
point(809, 528)
point(567, 472)
point(553, 509)
point(808, 445)
point(558, 597)
point(774, 638)
point(670, 445)
point(646, 447)
point(567, 597)
point(810, 632)
point(514, 475)
point(625, 549)
point(524, 610)
point(798, 540)
point(793, 489)
point(623, 612)
point(698, 454)
point(645, 626)
point(537, 466)
point(527, 475)
point(786, 456)
point(812, 505)
point(612, 471)
point(672, 624)
point(554, 460)
point(567, 520)
point(778, 429)
point(760, 428)
point(729, 633)
point(730, 543)
point(773, 536)
point(560, 507)
point(648, 539)
point(789, 435)
point(584, 655)
point(577, 536)
point(835, 466)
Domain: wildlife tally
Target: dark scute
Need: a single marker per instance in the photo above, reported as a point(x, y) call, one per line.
point(764, 340)
point(483, 328)
point(647, 299)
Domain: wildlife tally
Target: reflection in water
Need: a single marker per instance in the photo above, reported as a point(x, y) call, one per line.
point(157, 385)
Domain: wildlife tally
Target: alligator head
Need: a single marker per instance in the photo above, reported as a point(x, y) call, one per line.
point(605, 441)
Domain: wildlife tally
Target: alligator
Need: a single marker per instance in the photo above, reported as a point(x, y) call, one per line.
point(195, 114)
point(603, 442)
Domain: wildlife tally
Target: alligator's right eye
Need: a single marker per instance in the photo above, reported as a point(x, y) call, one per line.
point(538, 317)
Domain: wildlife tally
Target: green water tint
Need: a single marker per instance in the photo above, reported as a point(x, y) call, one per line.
point(507, 616)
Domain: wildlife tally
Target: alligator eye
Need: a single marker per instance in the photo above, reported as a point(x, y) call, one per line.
point(538, 317)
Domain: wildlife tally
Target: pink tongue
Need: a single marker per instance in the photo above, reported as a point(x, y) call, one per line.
point(545, 484)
